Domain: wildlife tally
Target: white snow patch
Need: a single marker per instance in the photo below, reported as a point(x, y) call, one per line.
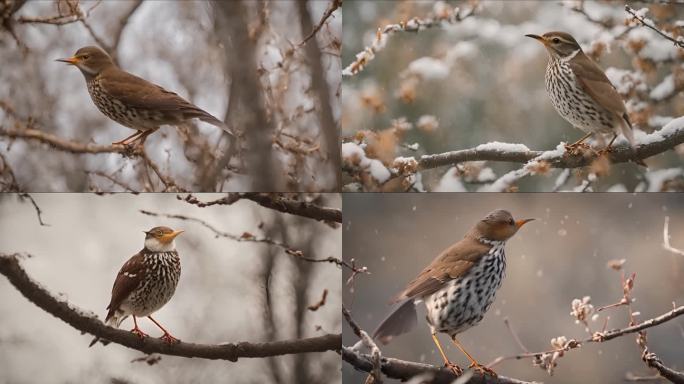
point(502, 147)
point(625, 80)
point(657, 178)
point(659, 121)
point(668, 130)
point(664, 89)
point(617, 188)
point(375, 167)
point(450, 182)
point(429, 68)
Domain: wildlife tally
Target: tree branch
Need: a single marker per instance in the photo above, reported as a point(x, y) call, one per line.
point(657, 142)
point(654, 362)
point(404, 370)
point(39, 212)
point(319, 83)
point(275, 201)
point(641, 19)
point(11, 268)
point(332, 7)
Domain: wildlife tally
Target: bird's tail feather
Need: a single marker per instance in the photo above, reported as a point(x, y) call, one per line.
point(399, 321)
point(207, 118)
point(113, 319)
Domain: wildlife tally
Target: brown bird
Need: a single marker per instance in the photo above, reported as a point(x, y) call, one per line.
point(458, 286)
point(132, 101)
point(146, 282)
point(580, 90)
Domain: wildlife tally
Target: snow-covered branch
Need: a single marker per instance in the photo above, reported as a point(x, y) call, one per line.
point(443, 15)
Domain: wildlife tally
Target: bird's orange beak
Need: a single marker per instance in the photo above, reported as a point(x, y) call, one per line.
point(538, 38)
point(167, 238)
point(70, 60)
point(522, 222)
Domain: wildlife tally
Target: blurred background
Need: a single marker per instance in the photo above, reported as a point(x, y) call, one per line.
point(455, 86)
point(184, 46)
point(222, 296)
point(550, 262)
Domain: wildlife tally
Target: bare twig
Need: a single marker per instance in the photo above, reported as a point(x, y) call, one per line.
point(332, 7)
point(320, 303)
point(276, 201)
point(642, 21)
point(666, 239)
point(375, 355)
point(67, 312)
point(37, 208)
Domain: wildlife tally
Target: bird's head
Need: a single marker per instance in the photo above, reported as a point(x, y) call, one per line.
point(560, 45)
point(160, 239)
point(498, 225)
point(90, 60)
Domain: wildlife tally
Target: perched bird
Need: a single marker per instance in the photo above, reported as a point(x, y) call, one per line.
point(132, 101)
point(457, 287)
point(580, 90)
point(146, 281)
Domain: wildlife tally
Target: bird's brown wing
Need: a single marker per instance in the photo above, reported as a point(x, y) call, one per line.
point(451, 263)
point(137, 92)
point(129, 277)
point(591, 78)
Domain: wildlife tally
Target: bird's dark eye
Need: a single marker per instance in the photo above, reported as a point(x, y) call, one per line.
point(556, 40)
point(511, 222)
point(85, 57)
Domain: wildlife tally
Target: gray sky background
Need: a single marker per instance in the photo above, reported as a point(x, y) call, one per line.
point(551, 261)
point(220, 296)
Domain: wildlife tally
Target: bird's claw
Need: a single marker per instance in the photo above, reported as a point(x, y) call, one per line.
point(576, 148)
point(139, 333)
point(483, 370)
point(458, 371)
point(169, 339)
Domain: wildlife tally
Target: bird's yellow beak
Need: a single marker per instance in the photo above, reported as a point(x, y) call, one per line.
point(522, 222)
point(70, 60)
point(538, 38)
point(167, 238)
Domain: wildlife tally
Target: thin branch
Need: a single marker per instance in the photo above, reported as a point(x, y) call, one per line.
point(34, 292)
point(123, 21)
point(642, 21)
point(81, 148)
point(448, 16)
point(332, 7)
point(666, 239)
point(375, 356)
point(37, 208)
point(598, 337)
point(654, 362)
point(276, 201)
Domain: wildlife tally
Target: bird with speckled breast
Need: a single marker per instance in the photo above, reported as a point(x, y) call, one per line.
point(132, 101)
point(146, 282)
point(457, 287)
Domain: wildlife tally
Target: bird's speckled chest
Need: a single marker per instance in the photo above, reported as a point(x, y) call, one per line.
point(573, 103)
point(162, 272)
point(464, 301)
point(116, 110)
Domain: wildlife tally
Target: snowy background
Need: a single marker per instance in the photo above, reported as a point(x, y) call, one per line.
point(456, 86)
point(551, 261)
point(220, 296)
point(175, 44)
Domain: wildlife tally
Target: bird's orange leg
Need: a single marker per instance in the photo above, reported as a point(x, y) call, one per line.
point(454, 368)
point(609, 147)
point(144, 135)
point(123, 142)
point(167, 336)
point(137, 331)
point(474, 364)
